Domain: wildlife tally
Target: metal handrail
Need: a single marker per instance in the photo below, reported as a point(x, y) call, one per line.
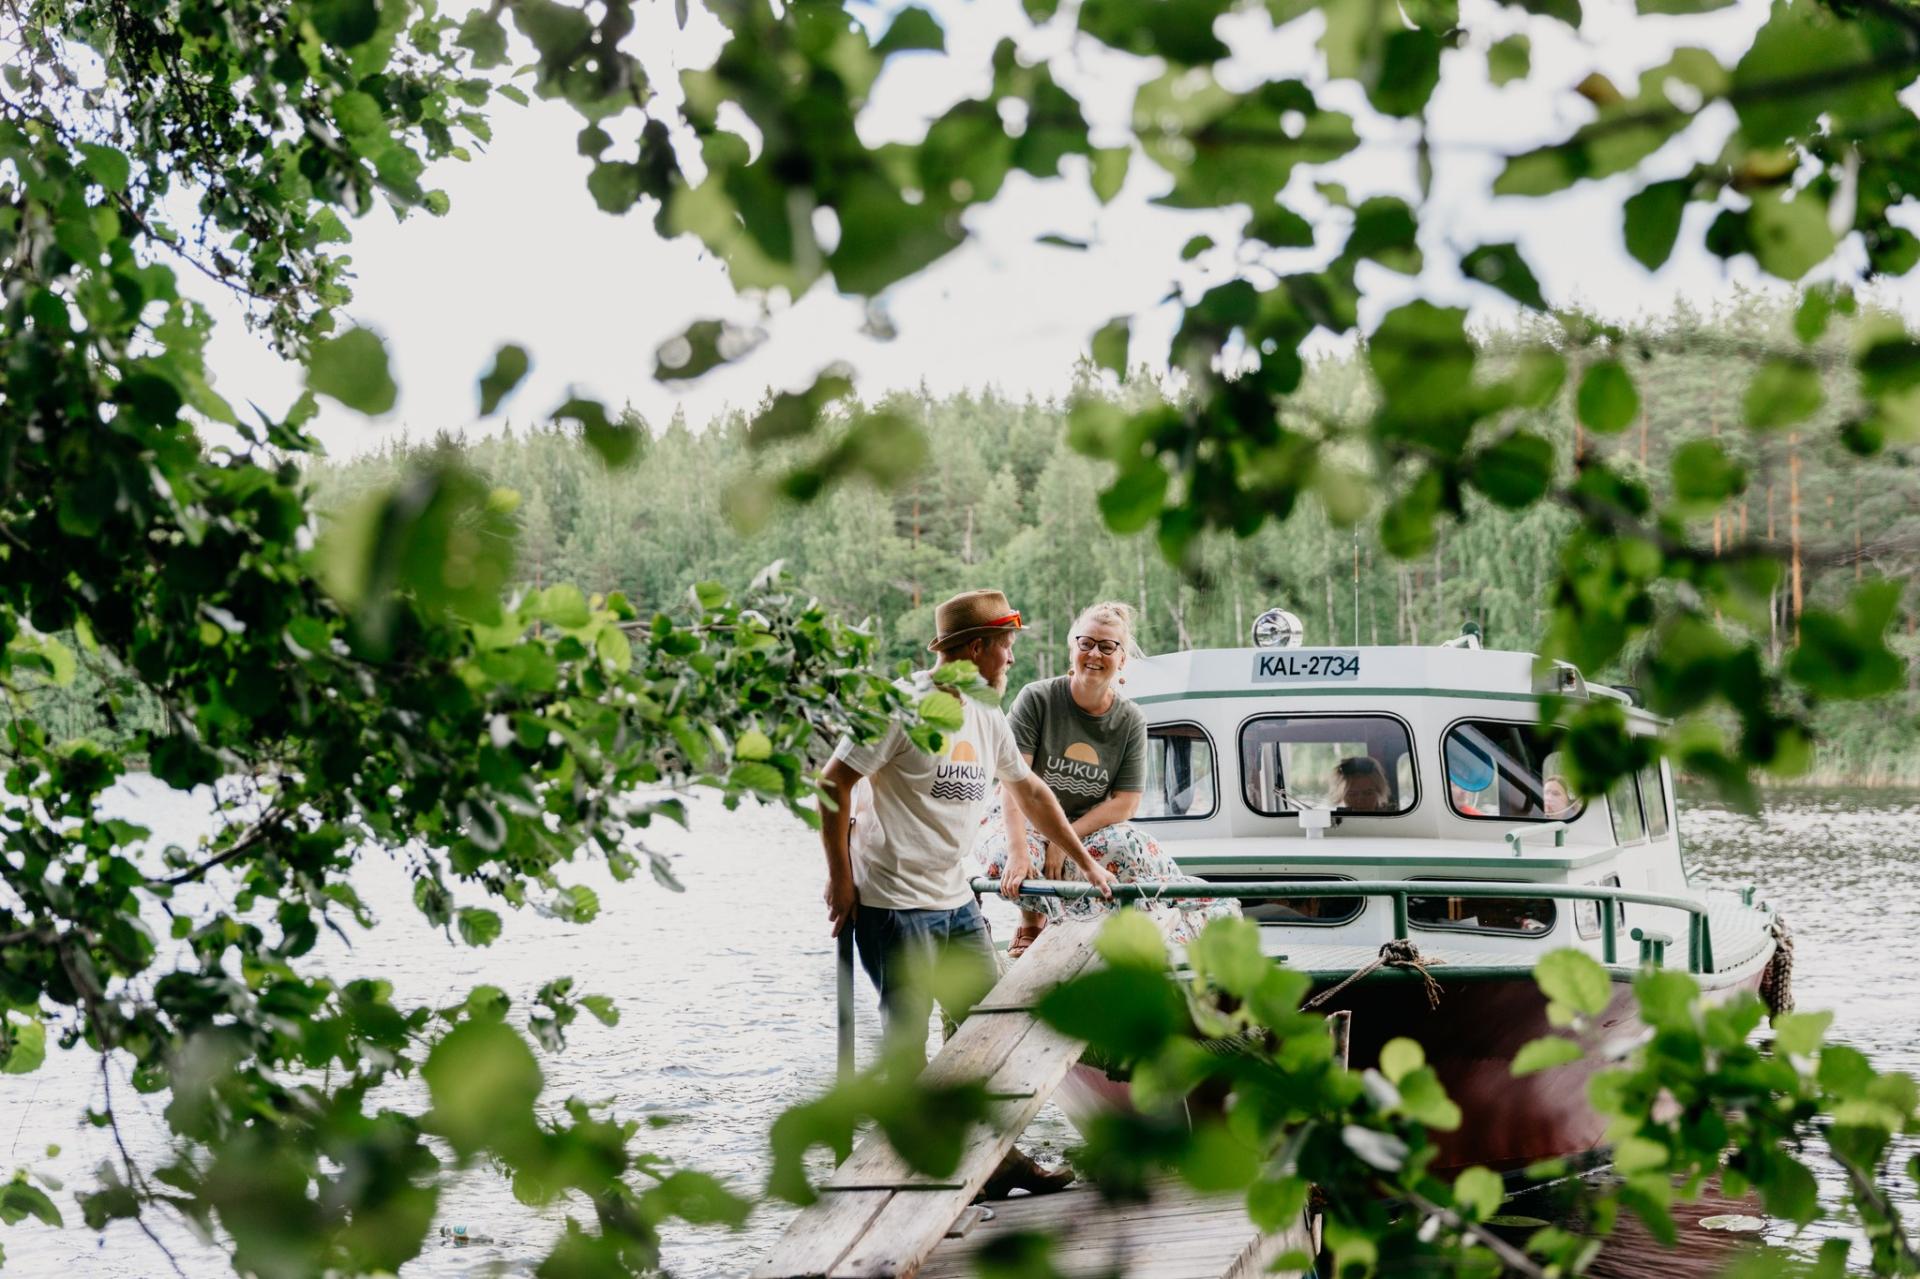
point(1609, 898)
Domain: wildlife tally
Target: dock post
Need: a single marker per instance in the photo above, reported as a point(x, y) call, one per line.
point(1609, 923)
point(844, 997)
point(1399, 916)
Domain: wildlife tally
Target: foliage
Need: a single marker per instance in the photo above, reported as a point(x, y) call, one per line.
point(1238, 1091)
point(1004, 494)
point(382, 690)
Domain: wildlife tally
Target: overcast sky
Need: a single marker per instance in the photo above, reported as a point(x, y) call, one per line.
point(525, 256)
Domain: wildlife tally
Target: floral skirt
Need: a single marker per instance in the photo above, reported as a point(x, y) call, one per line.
point(1131, 855)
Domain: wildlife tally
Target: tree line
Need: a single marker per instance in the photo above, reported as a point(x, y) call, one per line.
point(1004, 499)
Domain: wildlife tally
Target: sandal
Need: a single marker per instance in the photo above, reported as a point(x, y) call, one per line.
point(1023, 937)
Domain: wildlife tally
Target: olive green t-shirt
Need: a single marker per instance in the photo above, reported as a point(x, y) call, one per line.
point(1082, 758)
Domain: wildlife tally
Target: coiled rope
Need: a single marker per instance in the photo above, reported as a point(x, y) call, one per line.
point(1394, 954)
point(1776, 983)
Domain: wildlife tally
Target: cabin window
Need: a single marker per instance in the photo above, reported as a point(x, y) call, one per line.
point(1522, 916)
point(1354, 764)
point(1321, 911)
point(1586, 915)
point(1623, 799)
point(1653, 801)
point(1180, 774)
point(1507, 772)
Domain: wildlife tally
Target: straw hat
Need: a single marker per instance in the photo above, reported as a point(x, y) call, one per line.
point(972, 613)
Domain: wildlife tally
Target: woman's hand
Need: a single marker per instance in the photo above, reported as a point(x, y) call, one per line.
point(1014, 873)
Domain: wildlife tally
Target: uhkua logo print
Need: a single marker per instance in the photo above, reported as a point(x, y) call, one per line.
point(959, 776)
point(1077, 772)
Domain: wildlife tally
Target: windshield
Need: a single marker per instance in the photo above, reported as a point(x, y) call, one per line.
point(1511, 772)
point(1359, 764)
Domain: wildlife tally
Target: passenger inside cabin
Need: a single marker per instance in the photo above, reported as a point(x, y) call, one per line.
point(1360, 786)
point(1556, 799)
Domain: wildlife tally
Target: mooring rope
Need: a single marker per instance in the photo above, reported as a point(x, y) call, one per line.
point(1776, 983)
point(1394, 954)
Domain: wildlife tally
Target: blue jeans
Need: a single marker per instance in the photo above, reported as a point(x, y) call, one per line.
point(891, 943)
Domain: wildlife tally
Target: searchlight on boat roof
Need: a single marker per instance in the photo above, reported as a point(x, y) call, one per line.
point(1277, 628)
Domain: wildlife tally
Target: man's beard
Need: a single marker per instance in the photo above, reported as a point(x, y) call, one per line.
point(999, 681)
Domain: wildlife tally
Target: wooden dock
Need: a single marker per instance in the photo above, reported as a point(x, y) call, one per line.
point(879, 1219)
point(1177, 1234)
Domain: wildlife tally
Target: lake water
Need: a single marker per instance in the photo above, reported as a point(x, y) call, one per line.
point(726, 995)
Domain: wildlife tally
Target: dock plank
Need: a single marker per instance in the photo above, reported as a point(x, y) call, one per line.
point(1178, 1234)
point(822, 1234)
point(891, 1235)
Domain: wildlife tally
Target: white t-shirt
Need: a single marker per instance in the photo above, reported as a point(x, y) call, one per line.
point(909, 850)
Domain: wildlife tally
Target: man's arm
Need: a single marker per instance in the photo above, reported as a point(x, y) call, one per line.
point(1019, 862)
point(1118, 807)
point(836, 785)
point(1043, 810)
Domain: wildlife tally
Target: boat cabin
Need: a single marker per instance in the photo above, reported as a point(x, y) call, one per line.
point(1282, 761)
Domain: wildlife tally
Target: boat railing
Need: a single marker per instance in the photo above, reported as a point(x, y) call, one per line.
point(1531, 830)
point(1609, 898)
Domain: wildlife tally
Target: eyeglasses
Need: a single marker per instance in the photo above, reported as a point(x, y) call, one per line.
point(1088, 644)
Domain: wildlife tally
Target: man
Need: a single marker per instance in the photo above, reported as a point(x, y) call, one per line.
point(902, 882)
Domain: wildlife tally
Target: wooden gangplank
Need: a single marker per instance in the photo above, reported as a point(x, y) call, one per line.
point(879, 1219)
point(1177, 1233)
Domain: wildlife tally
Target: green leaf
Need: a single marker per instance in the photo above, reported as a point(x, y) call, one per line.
point(943, 711)
point(478, 926)
point(1653, 217)
point(1800, 1033)
point(1785, 81)
point(1783, 392)
point(617, 441)
point(1479, 1191)
point(1516, 471)
point(1575, 980)
point(1846, 655)
point(1607, 401)
point(1110, 346)
point(1703, 474)
point(577, 904)
point(352, 369)
point(1501, 266)
point(346, 23)
point(1277, 1205)
point(912, 28)
point(482, 35)
point(1544, 1054)
point(1509, 60)
point(29, 1046)
point(20, 1199)
point(762, 779)
point(483, 1081)
point(616, 186)
point(1281, 227)
point(1124, 1012)
point(1135, 497)
point(1789, 237)
point(602, 1008)
point(706, 345)
point(1130, 938)
point(1109, 171)
point(752, 744)
point(107, 166)
point(1400, 1057)
point(510, 364)
point(1194, 247)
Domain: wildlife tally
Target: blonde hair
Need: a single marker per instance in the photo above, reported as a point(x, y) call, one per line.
point(1111, 613)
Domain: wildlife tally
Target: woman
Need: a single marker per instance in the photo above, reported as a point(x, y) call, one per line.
point(1089, 745)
